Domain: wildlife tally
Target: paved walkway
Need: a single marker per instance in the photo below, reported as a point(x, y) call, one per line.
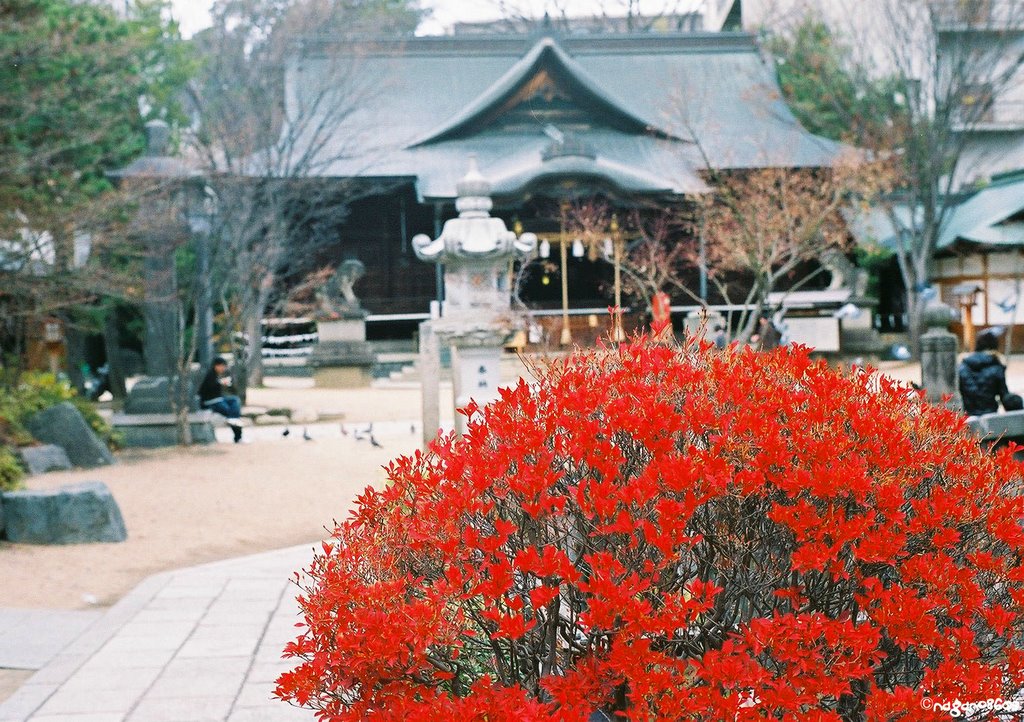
point(192, 645)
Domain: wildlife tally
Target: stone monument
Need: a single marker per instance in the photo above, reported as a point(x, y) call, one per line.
point(341, 357)
point(476, 319)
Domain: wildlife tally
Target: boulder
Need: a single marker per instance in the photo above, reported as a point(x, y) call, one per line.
point(73, 514)
point(43, 458)
point(64, 426)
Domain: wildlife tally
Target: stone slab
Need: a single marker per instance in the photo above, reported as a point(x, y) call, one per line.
point(72, 514)
point(45, 457)
point(63, 425)
point(158, 437)
point(346, 329)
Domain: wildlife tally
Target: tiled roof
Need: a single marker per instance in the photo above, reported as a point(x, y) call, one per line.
point(663, 107)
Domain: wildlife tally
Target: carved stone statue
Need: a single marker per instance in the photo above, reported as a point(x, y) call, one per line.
point(337, 299)
point(845, 275)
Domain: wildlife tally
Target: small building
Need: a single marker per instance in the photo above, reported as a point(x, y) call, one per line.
point(979, 265)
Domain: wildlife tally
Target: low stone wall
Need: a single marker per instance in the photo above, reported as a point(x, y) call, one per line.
point(155, 431)
point(999, 428)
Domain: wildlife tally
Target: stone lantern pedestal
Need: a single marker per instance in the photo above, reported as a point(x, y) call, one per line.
point(476, 322)
point(342, 358)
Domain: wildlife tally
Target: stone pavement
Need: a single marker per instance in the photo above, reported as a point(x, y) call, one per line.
point(30, 638)
point(196, 644)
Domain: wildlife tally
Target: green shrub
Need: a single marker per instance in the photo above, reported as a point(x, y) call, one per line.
point(36, 391)
point(11, 471)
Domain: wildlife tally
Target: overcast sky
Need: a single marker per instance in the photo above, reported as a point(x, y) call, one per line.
point(194, 14)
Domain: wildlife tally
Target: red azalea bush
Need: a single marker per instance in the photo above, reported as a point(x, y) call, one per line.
point(676, 534)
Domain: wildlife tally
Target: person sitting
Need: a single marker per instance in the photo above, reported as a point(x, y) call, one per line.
point(982, 378)
point(212, 397)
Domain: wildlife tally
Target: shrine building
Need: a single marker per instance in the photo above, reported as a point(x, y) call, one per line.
point(634, 120)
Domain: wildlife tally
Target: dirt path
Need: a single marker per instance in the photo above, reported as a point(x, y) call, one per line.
point(189, 506)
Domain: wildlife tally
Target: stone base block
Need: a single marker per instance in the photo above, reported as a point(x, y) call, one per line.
point(862, 341)
point(342, 377)
point(74, 514)
point(155, 431)
point(341, 353)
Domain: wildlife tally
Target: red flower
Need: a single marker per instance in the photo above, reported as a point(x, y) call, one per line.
point(675, 534)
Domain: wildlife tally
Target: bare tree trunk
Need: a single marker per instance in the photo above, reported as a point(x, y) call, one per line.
point(181, 382)
point(915, 316)
point(112, 346)
point(252, 369)
point(74, 345)
point(256, 333)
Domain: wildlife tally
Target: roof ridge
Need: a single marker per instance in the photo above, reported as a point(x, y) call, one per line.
point(518, 75)
point(633, 42)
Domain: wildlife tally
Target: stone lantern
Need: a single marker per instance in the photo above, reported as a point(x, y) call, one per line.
point(171, 195)
point(475, 250)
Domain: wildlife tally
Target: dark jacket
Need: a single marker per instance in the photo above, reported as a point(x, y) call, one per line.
point(210, 388)
point(982, 383)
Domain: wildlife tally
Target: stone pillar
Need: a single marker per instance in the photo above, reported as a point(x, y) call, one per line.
point(430, 372)
point(476, 369)
point(938, 357)
point(160, 309)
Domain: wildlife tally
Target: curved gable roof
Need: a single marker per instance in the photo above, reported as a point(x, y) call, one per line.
point(545, 55)
point(978, 219)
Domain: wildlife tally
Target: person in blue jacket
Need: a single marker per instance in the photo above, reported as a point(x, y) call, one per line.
point(212, 397)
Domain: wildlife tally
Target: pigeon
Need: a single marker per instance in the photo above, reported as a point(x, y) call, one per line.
point(305, 434)
point(286, 432)
point(412, 428)
point(374, 442)
point(900, 352)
